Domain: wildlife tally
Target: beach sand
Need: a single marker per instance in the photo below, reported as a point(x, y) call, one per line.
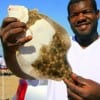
point(8, 86)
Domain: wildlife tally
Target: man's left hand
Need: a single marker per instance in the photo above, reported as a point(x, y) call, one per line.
point(83, 89)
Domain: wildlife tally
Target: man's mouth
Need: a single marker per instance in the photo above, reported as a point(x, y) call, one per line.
point(82, 26)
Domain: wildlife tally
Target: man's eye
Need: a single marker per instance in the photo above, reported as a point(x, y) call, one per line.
point(73, 15)
point(83, 12)
point(88, 11)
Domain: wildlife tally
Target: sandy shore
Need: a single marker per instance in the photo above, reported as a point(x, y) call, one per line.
point(8, 86)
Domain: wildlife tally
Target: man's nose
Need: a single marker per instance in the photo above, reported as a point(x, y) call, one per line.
point(81, 16)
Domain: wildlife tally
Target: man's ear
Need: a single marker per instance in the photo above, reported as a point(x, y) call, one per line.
point(98, 14)
point(68, 18)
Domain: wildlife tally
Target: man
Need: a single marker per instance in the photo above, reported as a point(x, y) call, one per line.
point(83, 55)
point(83, 18)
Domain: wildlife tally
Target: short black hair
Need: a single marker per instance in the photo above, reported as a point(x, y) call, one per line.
point(93, 2)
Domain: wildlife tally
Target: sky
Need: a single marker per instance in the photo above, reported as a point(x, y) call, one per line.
point(56, 9)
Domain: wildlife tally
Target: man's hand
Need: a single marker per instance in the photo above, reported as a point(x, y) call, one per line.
point(12, 33)
point(83, 89)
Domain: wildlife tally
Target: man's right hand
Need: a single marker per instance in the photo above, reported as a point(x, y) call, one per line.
point(12, 34)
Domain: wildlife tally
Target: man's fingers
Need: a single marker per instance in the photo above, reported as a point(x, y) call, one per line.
point(73, 96)
point(13, 26)
point(8, 20)
point(23, 40)
point(75, 88)
point(79, 80)
point(14, 34)
point(19, 42)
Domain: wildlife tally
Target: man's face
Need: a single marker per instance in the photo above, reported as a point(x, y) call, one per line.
point(83, 18)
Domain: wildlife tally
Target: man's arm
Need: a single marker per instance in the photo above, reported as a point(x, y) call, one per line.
point(12, 36)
